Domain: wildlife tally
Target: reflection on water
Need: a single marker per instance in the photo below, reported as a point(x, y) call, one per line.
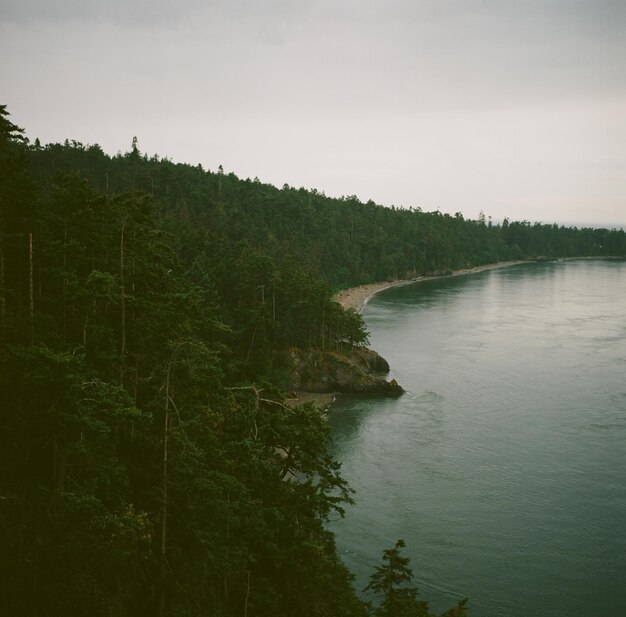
point(504, 465)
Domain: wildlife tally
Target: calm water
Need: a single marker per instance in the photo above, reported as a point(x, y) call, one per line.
point(504, 465)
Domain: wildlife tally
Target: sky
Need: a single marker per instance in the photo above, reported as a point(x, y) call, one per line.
point(513, 108)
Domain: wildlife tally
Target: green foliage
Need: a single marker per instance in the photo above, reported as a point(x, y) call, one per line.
point(344, 241)
point(391, 583)
point(148, 462)
point(64, 455)
point(137, 475)
point(9, 133)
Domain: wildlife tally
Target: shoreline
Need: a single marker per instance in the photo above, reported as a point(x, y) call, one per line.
point(357, 297)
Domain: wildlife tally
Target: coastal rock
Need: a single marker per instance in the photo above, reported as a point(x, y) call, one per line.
point(357, 369)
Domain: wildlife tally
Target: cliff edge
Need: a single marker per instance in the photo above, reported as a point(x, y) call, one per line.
point(357, 369)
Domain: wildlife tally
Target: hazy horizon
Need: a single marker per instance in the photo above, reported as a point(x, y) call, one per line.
point(517, 110)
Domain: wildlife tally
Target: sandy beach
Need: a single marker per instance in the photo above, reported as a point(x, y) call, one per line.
point(357, 297)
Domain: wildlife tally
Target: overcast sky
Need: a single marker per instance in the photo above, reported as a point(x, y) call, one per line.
point(513, 107)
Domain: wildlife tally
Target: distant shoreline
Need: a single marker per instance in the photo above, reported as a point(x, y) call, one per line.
point(357, 297)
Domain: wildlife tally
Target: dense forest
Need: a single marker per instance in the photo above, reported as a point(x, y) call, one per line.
point(149, 464)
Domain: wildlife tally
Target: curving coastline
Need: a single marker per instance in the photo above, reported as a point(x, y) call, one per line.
point(357, 297)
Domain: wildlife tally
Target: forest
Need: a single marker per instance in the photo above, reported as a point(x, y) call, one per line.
point(149, 462)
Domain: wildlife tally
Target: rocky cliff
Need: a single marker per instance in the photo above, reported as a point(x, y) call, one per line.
point(357, 369)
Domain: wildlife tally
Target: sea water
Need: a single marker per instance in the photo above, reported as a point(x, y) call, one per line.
point(503, 466)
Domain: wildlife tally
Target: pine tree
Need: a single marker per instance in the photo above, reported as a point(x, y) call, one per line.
point(390, 582)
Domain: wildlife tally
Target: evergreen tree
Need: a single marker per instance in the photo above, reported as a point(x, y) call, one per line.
point(391, 583)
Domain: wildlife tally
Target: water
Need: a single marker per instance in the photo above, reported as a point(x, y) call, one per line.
point(503, 467)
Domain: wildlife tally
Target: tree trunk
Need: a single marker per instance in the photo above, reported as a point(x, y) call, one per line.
point(64, 282)
point(163, 552)
point(251, 344)
point(274, 303)
point(245, 606)
point(123, 307)
point(31, 298)
point(2, 292)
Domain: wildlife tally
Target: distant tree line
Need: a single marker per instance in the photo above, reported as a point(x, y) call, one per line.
point(216, 216)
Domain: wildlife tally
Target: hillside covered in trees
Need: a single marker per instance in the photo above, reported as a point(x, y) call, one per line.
point(348, 243)
point(148, 462)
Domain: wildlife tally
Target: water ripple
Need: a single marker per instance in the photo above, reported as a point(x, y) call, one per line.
point(504, 464)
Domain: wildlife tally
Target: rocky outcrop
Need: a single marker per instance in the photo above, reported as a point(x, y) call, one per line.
point(357, 369)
